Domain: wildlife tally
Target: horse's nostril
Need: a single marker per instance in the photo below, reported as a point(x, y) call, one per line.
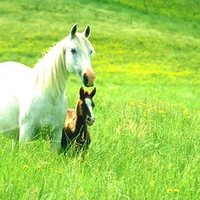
point(85, 79)
point(89, 119)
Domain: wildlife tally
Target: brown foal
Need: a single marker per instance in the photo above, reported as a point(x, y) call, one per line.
point(75, 133)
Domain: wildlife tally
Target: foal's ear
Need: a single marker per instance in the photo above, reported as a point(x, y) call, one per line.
point(81, 93)
point(87, 31)
point(73, 30)
point(93, 92)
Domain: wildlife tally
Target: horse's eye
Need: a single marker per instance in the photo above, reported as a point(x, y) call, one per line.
point(91, 52)
point(73, 50)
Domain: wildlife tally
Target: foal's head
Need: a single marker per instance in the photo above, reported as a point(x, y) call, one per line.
point(85, 106)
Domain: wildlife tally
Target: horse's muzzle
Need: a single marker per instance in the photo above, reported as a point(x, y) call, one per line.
point(88, 79)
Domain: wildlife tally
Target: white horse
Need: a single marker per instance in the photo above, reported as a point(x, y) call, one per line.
point(34, 99)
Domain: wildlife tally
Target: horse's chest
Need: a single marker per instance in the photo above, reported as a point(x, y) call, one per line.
point(49, 109)
point(44, 112)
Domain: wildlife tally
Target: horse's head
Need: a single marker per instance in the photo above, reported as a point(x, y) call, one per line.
point(85, 105)
point(78, 55)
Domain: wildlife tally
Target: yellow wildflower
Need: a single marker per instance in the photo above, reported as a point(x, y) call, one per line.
point(170, 166)
point(131, 103)
point(161, 111)
point(59, 171)
point(169, 190)
point(186, 113)
point(25, 166)
point(80, 193)
point(176, 190)
point(38, 166)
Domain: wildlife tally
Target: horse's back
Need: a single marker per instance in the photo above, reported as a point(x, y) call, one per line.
point(13, 70)
point(70, 114)
point(70, 119)
point(12, 76)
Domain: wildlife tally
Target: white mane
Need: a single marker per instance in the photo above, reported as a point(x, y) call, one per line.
point(50, 71)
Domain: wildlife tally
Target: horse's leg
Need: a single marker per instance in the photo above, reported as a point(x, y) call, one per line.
point(63, 140)
point(15, 142)
point(85, 145)
point(15, 145)
point(24, 135)
point(56, 141)
point(83, 141)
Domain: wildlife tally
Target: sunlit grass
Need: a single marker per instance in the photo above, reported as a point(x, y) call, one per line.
point(138, 146)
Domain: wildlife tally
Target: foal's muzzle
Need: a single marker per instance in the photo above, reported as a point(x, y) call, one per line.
point(90, 121)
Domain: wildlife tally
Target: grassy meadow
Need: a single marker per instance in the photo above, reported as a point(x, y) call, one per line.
point(146, 137)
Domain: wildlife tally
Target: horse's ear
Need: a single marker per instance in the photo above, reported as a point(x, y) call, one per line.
point(87, 31)
point(93, 92)
point(73, 30)
point(81, 93)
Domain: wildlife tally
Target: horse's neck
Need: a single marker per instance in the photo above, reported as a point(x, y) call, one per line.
point(50, 72)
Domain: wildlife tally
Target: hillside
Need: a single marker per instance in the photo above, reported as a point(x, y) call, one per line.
point(147, 51)
point(179, 9)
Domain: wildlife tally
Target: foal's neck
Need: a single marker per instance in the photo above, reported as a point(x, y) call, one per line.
point(80, 121)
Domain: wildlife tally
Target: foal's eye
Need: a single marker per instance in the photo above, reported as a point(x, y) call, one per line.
point(91, 52)
point(73, 50)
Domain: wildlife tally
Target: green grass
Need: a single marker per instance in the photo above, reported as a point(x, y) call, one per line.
point(145, 141)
